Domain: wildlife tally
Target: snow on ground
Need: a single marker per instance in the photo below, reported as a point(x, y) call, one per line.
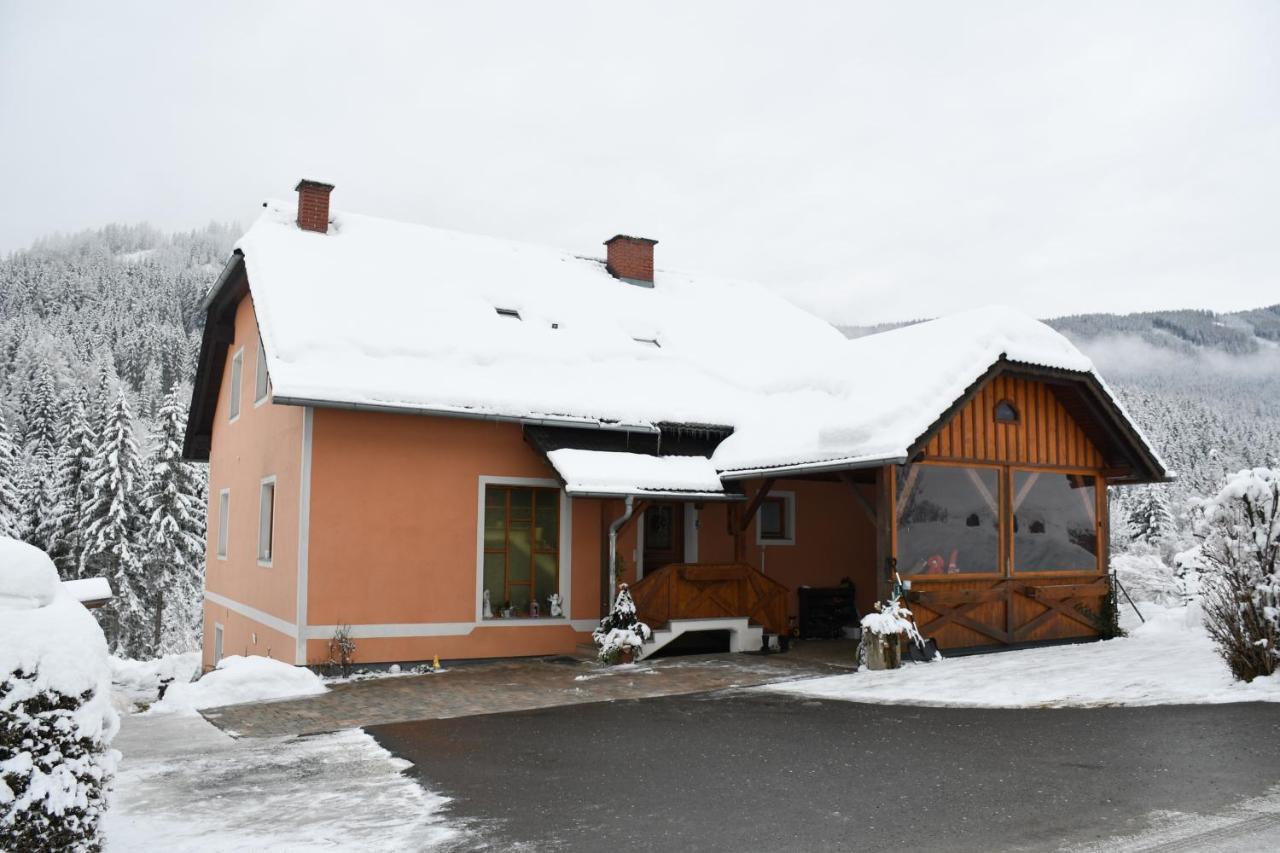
point(1167, 661)
point(185, 787)
point(240, 679)
point(136, 683)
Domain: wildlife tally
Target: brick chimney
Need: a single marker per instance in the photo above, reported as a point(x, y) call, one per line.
point(631, 259)
point(313, 205)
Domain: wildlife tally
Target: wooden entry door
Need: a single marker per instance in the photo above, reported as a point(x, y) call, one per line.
point(663, 535)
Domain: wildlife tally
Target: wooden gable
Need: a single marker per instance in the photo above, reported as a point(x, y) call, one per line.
point(1044, 433)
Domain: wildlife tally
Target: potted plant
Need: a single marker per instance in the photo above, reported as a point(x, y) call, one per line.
point(621, 634)
point(882, 633)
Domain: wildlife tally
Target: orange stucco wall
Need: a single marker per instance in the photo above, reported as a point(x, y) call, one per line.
point(394, 518)
point(264, 440)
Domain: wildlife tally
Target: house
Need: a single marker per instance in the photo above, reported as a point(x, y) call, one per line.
point(91, 592)
point(458, 445)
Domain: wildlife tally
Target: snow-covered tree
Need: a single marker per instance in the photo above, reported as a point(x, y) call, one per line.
point(1150, 519)
point(174, 509)
point(10, 482)
point(1240, 549)
point(61, 531)
point(621, 632)
point(113, 527)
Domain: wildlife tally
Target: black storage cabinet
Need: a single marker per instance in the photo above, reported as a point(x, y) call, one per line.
point(826, 610)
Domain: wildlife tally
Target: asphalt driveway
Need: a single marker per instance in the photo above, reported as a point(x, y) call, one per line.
point(744, 771)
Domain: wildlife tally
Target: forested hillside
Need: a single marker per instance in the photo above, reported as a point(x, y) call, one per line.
point(99, 333)
point(98, 339)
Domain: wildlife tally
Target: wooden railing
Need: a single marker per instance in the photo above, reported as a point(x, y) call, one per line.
point(710, 591)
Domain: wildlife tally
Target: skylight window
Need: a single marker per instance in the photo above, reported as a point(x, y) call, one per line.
point(508, 312)
point(649, 342)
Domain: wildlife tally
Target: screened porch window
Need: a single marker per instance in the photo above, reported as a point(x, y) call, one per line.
point(1055, 522)
point(521, 549)
point(948, 520)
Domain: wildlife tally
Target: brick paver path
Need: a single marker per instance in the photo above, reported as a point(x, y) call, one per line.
point(488, 688)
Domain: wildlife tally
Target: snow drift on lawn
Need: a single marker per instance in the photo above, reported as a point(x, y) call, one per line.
point(240, 679)
point(1168, 661)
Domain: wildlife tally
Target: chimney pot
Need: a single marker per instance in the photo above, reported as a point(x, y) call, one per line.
point(631, 259)
point(313, 205)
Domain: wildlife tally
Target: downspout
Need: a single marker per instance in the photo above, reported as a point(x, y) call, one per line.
point(613, 546)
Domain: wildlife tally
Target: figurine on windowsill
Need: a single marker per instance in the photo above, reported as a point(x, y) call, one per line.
point(555, 605)
point(508, 611)
point(534, 610)
point(488, 606)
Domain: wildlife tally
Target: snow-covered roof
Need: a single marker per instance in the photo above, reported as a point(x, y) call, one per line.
point(89, 590)
point(601, 473)
point(389, 315)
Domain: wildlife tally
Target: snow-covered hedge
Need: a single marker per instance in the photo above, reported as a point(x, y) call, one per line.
point(56, 718)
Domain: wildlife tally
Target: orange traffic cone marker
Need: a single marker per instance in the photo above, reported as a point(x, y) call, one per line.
point(435, 663)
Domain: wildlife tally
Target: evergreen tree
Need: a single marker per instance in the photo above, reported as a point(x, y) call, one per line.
point(113, 525)
point(62, 530)
point(1150, 519)
point(174, 509)
point(10, 497)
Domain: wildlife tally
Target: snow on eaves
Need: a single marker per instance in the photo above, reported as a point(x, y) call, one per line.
point(601, 472)
point(383, 314)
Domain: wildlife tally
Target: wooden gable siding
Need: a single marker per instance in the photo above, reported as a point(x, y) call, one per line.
point(1045, 433)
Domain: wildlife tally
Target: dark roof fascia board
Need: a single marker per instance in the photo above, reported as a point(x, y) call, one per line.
point(219, 333)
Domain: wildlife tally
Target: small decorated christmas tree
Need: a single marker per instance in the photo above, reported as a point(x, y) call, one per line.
point(621, 634)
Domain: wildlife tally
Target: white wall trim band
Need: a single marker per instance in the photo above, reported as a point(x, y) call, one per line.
point(407, 630)
point(304, 532)
point(273, 622)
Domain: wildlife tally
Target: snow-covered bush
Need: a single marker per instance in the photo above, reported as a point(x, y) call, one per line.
point(56, 718)
point(1240, 548)
point(621, 631)
point(891, 619)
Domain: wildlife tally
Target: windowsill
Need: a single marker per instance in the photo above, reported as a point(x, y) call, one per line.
point(222, 557)
point(266, 564)
point(261, 400)
point(524, 621)
point(775, 541)
point(233, 420)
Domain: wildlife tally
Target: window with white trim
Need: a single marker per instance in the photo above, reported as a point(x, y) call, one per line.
point(237, 379)
point(521, 550)
point(224, 522)
point(266, 519)
point(776, 519)
point(260, 374)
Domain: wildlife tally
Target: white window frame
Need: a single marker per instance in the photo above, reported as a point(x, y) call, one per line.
point(267, 481)
point(223, 543)
point(789, 508)
point(566, 552)
point(219, 642)
point(235, 403)
point(260, 374)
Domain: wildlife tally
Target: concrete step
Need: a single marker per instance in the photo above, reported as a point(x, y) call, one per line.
point(743, 636)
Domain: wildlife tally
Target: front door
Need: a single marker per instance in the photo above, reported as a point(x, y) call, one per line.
point(663, 535)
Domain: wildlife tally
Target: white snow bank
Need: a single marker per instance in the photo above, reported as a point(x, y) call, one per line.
point(137, 682)
point(88, 589)
point(601, 472)
point(240, 679)
point(44, 629)
point(1168, 661)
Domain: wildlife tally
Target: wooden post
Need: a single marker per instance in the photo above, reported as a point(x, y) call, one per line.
point(886, 520)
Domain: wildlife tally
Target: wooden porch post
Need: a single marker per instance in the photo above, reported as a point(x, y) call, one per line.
point(886, 520)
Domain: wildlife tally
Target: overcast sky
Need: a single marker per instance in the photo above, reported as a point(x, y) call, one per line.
point(871, 161)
